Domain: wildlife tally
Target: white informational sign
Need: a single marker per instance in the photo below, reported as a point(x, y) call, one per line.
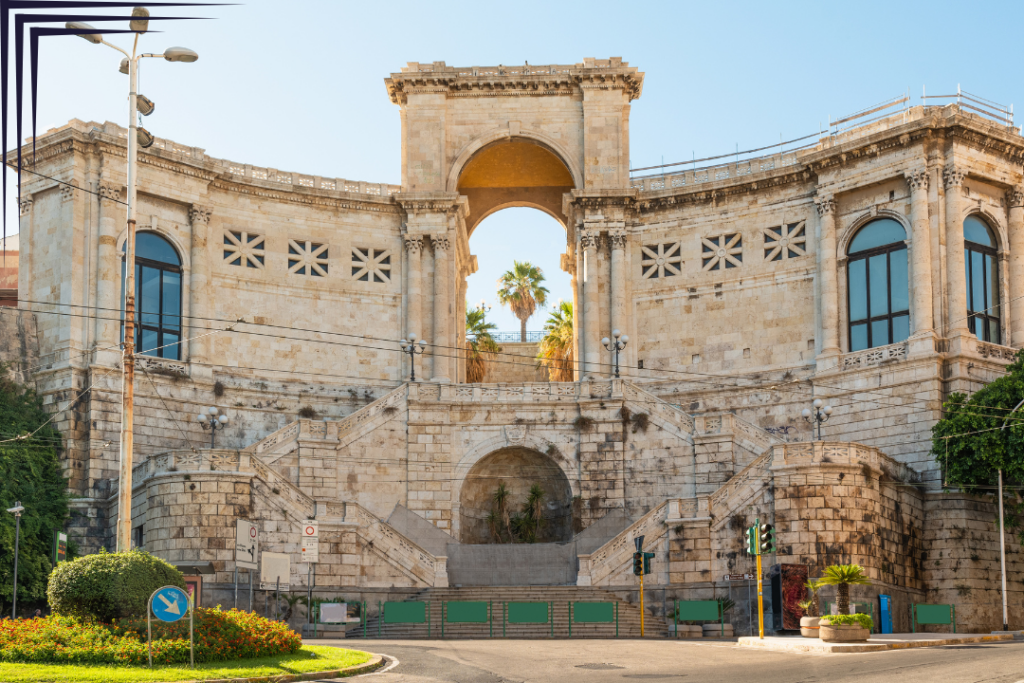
point(272, 567)
point(333, 612)
point(247, 544)
point(310, 550)
point(740, 577)
point(311, 529)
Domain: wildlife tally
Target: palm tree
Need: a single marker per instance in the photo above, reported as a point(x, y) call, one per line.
point(556, 347)
point(842, 576)
point(478, 333)
point(521, 289)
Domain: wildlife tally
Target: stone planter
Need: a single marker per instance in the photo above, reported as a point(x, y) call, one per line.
point(686, 630)
point(843, 633)
point(809, 626)
point(715, 631)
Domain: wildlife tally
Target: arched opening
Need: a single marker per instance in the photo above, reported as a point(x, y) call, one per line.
point(157, 297)
point(982, 263)
point(514, 172)
point(518, 469)
point(877, 285)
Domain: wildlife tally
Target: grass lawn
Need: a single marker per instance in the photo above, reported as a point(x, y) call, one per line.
point(309, 658)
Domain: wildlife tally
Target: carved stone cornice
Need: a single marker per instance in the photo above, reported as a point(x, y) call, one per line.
point(917, 179)
point(420, 204)
point(109, 191)
point(381, 205)
point(953, 176)
point(505, 81)
point(826, 205)
point(199, 214)
point(1015, 197)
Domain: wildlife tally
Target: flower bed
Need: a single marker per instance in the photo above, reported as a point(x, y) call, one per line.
point(219, 636)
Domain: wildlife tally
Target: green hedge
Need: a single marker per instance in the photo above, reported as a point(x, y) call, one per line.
point(108, 586)
point(863, 620)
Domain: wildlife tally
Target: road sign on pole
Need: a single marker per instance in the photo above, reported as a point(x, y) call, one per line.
point(310, 541)
point(247, 543)
point(170, 604)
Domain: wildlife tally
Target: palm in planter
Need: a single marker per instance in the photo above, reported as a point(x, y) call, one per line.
point(842, 576)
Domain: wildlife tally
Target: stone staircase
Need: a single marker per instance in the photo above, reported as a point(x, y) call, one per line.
point(558, 597)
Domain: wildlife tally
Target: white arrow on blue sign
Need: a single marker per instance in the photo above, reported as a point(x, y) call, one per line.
point(170, 603)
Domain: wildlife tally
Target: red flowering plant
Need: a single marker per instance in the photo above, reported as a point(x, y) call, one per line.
point(219, 636)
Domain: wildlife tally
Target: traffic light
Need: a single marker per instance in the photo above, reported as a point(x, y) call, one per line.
point(751, 537)
point(638, 564)
point(767, 533)
point(647, 562)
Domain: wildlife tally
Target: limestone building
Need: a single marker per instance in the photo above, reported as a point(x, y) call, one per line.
point(879, 268)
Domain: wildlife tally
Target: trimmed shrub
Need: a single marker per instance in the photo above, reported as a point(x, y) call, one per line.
point(219, 636)
point(863, 620)
point(108, 586)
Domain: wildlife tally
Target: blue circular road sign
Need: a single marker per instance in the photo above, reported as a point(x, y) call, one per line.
point(169, 603)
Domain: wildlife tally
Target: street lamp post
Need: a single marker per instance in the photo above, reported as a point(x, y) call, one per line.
point(16, 511)
point(817, 416)
point(410, 347)
point(619, 343)
point(136, 136)
point(213, 420)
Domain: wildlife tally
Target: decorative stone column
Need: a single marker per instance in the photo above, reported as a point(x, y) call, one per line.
point(442, 350)
point(923, 324)
point(198, 347)
point(591, 304)
point(25, 249)
point(413, 288)
point(1015, 227)
point(108, 275)
point(956, 273)
point(618, 286)
point(829, 304)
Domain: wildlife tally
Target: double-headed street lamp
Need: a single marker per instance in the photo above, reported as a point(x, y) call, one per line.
point(817, 416)
point(410, 347)
point(620, 343)
point(16, 511)
point(213, 420)
point(137, 136)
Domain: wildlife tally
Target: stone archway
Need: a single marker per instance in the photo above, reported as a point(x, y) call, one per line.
point(518, 468)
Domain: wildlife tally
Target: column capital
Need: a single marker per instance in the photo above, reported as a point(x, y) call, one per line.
point(441, 242)
point(109, 191)
point(589, 238)
point(413, 244)
point(25, 206)
point(199, 214)
point(67, 192)
point(826, 204)
point(917, 179)
point(953, 176)
point(1015, 197)
point(617, 238)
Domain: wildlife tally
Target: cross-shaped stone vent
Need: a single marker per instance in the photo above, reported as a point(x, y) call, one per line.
point(244, 249)
point(371, 265)
point(785, 241)
point(660, 260)
point(721, 251)
point(307, 258)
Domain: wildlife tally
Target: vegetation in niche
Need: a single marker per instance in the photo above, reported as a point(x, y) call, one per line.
point(520, 289)
point(641, 421)
point(583, 423)
point(556, 350)
point(971, 446)
point(525, 526)
point(218, 388)
point(478, 336)
point(308, 412)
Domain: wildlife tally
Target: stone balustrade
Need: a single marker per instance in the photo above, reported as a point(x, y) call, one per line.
point(600, 566)
point(839, 453)
point(874, 356)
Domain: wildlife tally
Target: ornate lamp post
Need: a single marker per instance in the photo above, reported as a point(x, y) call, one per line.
point(213, 420)
point(137, 137)
point(16, 511)
point(620, 343)
point(817, 416)
point(410, 347)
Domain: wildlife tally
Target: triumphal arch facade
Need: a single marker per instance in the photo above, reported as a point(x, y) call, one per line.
point(878, 268)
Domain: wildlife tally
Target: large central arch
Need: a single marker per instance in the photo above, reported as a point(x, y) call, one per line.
point(518, 468)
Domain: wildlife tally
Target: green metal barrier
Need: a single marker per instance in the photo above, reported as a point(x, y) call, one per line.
point(699, 610)
point(932, 614)
point(404, 613)
point(594, 613)
point(527, 613)
point(458, 612)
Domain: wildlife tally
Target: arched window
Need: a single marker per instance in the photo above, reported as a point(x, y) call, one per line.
point(877, 288)
point(982, 280)
point(157, 297)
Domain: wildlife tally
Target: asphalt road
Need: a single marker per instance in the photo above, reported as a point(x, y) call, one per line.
point(598, 661)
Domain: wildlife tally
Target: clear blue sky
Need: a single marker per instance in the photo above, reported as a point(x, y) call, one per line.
point(298, 85)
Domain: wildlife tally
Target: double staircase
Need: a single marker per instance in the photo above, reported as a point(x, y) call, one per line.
point(557, 597)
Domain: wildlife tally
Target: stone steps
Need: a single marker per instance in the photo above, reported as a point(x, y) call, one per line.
point(558, 597)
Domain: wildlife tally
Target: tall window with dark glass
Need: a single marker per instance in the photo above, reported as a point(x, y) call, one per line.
point(157, 297)
point(980, 259)
point(878, 293)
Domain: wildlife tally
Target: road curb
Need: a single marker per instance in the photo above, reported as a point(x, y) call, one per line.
point(375, 663)
point(812, 646)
